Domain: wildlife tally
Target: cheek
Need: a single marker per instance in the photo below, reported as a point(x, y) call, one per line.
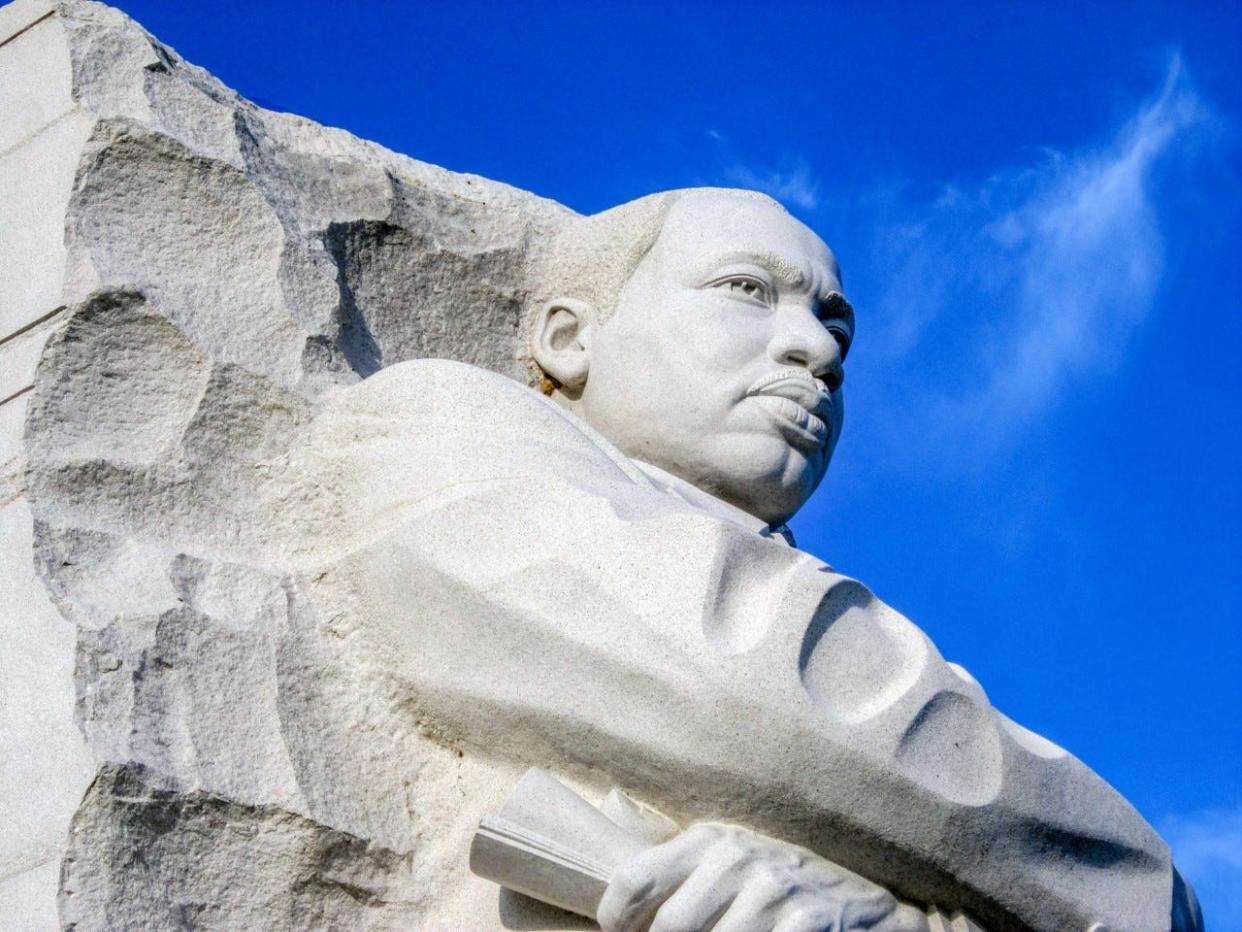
point(686, 360)
point(721, 333)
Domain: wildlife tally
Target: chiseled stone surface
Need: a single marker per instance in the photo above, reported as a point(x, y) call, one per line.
point(323, 624)
point(204, 861)
point(298, 255)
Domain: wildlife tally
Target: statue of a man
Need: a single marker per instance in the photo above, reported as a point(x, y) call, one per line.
point(720, 360)
point(600, 582)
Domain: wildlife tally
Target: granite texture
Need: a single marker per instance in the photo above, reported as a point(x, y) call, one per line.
point(325, 600)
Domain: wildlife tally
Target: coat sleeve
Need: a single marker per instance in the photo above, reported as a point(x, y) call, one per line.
point(541, 601)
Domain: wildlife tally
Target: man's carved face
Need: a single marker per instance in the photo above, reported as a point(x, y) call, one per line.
point(722, 362)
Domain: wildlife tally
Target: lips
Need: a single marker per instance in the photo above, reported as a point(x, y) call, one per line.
point(798, 402)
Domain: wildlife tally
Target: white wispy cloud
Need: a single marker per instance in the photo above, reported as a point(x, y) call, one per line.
point(1024, 282)
point(792, 184)
point(1207, 849)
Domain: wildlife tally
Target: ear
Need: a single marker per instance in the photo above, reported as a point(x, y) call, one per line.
point(561, 343)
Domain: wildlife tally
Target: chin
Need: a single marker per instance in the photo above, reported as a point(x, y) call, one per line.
point(771, 487)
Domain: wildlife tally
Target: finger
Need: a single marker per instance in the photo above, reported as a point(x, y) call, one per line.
point(904, 918)
point(803, 919)
point(706, 893)
point(640, 887)
point(851, 914)
point(867, 908)
point(757, 906)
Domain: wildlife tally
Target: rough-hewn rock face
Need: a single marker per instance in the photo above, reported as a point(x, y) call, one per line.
point(275, 721)
point(140, 851)
point(298, 252)
point(225, 269)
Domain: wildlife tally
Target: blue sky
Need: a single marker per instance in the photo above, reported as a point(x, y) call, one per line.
point(1037, 210)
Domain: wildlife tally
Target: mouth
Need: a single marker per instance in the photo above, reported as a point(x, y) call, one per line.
point(798, 403)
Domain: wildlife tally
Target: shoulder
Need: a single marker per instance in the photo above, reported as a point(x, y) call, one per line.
point(429, 394)
point(437, 414)
point(425, 385)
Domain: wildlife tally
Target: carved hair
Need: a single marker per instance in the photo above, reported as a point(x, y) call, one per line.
point(591, 258)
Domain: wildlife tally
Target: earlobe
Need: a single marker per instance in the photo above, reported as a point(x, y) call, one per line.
point(561, 342)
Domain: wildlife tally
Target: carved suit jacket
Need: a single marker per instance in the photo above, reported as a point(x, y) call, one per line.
point(538, 598)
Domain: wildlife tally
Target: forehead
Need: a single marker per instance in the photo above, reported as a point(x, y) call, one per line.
point(702, 229)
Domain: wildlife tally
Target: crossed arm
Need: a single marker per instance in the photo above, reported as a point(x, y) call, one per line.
point(494, 551)
point(730, 879)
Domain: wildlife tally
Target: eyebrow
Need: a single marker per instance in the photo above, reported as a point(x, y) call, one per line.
point(790, 273)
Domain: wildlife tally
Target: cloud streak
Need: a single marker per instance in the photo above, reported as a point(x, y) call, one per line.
point(1018, 286)
point(793, 183)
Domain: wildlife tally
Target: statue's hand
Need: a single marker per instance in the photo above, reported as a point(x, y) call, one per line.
point(729, 879)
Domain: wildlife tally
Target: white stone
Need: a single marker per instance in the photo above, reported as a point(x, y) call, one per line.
point(47, 764)
point(12, 466)
point(19, 15)
point(47, 767)
point(28, 899)
point(719, 359)
point(34, 79)
point(20, 354)
point(321, 617)
point(35, 181)
point(339, 201)
point(538, 551)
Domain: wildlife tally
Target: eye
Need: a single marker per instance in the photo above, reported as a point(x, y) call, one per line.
point(744, 286)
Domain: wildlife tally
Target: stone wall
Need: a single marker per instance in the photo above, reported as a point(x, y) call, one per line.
point(148, 211)
point(47, 765)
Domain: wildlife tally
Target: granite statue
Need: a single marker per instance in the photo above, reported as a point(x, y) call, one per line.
point(351, 492)
point(634, 527)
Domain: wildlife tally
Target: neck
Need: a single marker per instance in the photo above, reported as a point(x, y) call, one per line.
point(693, 495)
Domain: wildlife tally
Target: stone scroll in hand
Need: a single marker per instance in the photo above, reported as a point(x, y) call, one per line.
point(551, 844)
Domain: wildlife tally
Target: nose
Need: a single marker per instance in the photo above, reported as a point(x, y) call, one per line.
point(800, 339)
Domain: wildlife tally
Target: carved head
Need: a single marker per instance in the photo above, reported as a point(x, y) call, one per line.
point(702, 331)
